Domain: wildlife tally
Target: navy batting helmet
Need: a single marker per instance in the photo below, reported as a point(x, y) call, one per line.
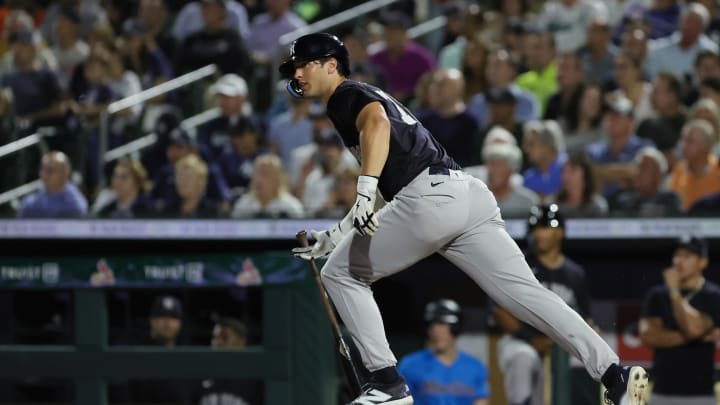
point(444, 311)
point(548, 216)
point(312, 47)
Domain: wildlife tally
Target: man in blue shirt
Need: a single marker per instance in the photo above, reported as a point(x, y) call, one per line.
point(613, 157)
point(58, 197)
point(442, 374)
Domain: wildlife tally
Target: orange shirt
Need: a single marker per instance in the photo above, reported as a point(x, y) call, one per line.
point(691, 188)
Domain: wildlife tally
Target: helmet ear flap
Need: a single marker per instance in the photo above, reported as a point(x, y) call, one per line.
point(293, 87)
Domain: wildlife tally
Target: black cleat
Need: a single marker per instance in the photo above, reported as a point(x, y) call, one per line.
point(391, 394)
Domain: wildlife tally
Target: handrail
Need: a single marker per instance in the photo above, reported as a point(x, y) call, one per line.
point(20, 191)
point(20, 144)
point(143, 96)
point(151, 138)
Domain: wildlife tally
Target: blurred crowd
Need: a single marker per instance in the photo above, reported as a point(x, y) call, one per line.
point(605, 107)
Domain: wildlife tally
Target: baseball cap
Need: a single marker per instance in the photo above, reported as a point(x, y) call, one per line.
point(181, 137)
point(694, 244)
point(166, 305)
point(500, 96)
point(621, 105)
point(231, 85)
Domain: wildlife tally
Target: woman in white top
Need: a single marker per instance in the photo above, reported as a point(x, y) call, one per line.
point(268, 196)
point(631, 84)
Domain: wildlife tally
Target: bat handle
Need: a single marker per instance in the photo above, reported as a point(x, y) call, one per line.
point(301, 237)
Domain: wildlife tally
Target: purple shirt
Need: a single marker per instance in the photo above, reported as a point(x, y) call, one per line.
point(265, 32)
point(69, 203)
point(404, 73)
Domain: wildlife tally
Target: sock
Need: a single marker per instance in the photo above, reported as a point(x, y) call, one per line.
point(387, 375)
point(611, 376)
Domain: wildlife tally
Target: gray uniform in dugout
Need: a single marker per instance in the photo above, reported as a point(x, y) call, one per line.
point(433, 206)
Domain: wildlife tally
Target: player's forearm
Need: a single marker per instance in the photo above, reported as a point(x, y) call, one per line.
point(662, 338)
point(374, 146)
point(691, 322)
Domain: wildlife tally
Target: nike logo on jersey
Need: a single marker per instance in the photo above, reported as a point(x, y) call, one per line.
point(433, 184)
point(372, 397)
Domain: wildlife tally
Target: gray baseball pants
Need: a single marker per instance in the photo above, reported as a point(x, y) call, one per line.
point(455, 215)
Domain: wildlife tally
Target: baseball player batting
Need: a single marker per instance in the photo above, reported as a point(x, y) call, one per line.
point(433, 206)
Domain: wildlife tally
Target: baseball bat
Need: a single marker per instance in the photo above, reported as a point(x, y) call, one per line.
point(350, 371)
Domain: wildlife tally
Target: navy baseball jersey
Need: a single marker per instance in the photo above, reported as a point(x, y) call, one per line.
point(412, 147)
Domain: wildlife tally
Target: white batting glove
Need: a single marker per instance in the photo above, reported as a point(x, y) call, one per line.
point(363, 213)
point(325, 241)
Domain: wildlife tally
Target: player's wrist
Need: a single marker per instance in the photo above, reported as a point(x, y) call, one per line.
point(367, 185)
point(675, 294)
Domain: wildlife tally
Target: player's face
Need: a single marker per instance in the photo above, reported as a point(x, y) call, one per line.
point(546, 239)
point(689, 264)
point(310, 76)
point(440, 339)
point(165, 328)
point(224, 337)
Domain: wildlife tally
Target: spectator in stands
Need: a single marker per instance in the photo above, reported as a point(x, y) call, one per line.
point(664, 130)
point(231, 91)
point(91, 14)
point(293, 128)
point(190, 19)
point(229, 334)
point(442, 373)
point(70, 50)
point(541, 77)
point(598, 55)
point(613, 157)
point(191, 179)
point(317, 175)
point(301, 154)
point(568, 21)
point(707, 66)
point(153, 15)
point(36, 93)
point(164, 193)
point(447, 118)
point(697, 174)
point(500, 72)
point(632, 86)
point(356, 44)
point(142, 55)
point(126, 197)
point(544, 146)
point(343, 194)
point(680, 321)
point(267, 28)
point(473, 67)
point(578, 196)
point(706, 109)
point(588, 121)
point(58, 197)
point(124, 82)
point(402, 60)
point(676, 54)
point(502, 105)
point(563, 106)
point(99, 93)
point(216, 43)
point(503, 161)
point(238, 161)
point(268, 196)
point(464, 26)
point(634, 43)
point(644, 198)
point(496, 135)
point(16, 26)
